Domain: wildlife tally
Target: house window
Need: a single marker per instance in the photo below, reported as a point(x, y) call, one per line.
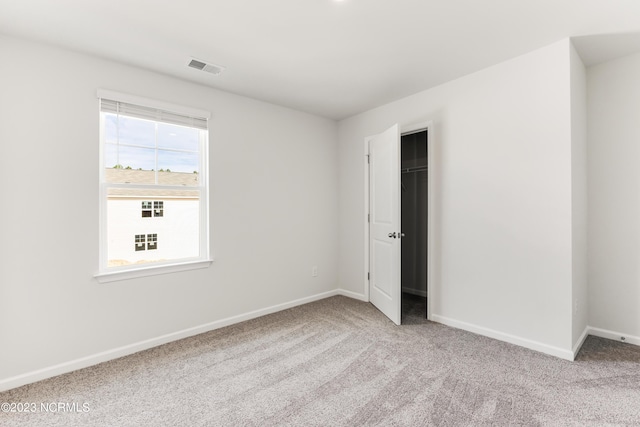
point(151, 209)
point(153, 156)
point(158, 208)
point(152, 242)
point(146, 210)
point(140, 242)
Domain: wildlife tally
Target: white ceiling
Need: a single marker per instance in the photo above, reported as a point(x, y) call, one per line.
point(330, 58)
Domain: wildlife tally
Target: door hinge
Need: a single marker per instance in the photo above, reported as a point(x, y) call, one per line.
point(368, 217)
point(368, 159)
point(368, 276)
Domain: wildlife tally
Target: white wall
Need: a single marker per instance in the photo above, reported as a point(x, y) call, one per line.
point(614, 197)
point(503, 214)
point(579, 199)
point(273, 211)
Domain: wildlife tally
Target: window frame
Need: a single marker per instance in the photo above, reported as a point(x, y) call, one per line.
point(108, 274)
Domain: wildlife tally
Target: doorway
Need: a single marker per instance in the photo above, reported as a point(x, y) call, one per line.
point(414, 219)
point(384, 231)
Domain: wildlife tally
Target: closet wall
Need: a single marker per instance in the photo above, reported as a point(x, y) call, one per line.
point(414, 213)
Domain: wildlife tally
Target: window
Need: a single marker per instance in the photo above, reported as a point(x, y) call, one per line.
point(158, 208)
point(152, 242)
point(153, 157)
point(140, 241)
point(151, 239)
point(146, 209)
point(150, 209)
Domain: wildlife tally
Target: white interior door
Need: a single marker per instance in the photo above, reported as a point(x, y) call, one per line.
point(384, 222)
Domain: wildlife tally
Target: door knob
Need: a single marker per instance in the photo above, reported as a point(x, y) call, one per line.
point(392, 235)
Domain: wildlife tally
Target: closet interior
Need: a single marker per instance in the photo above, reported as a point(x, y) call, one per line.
point(414, 191)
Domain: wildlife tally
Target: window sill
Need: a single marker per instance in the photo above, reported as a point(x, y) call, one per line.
point(114, 276)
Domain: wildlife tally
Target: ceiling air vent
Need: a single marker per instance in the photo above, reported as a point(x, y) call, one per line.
point(203, 66)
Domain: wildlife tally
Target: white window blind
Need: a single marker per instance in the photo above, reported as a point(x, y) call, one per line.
point(149, 113)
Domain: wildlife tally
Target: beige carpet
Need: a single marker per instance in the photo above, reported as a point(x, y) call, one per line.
point(339, 362)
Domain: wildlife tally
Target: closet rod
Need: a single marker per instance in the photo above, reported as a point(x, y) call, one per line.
point(416, 169)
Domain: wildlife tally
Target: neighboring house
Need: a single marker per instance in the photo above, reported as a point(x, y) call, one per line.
point(151, 225)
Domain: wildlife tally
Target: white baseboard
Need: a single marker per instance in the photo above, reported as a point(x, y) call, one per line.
point(612, 335)
point(501, 336)
point(62, 368)
point(578, 345)
point(84, 362)
point(418, 292)
point(354, 295)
